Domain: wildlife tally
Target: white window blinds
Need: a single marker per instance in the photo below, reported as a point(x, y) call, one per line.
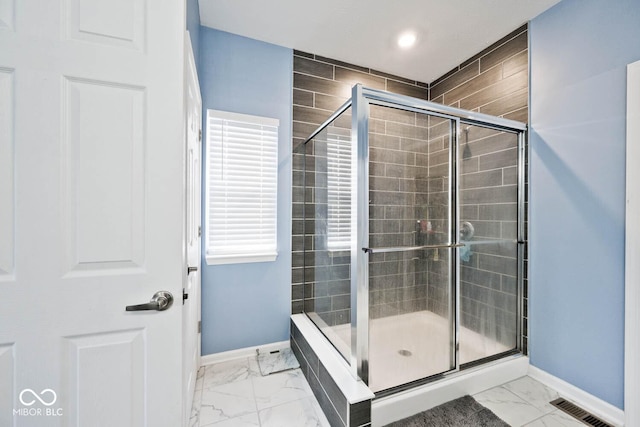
point(242, 176)
point(339, 191)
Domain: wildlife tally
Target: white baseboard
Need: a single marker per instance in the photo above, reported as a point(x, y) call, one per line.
point(588, 402)
point(242, 352)
point(403, 404)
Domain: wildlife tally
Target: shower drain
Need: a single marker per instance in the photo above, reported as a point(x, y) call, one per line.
point(405, 353)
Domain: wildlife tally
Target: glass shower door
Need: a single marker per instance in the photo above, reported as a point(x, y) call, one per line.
point(488, 197)
point(411, 306)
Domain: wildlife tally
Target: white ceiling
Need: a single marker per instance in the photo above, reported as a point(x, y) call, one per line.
point(364, 32)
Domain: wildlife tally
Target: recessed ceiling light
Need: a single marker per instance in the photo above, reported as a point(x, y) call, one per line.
point(406, 40)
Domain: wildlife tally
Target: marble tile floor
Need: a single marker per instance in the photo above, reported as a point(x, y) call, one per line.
point(234, 394)
point(525, 402)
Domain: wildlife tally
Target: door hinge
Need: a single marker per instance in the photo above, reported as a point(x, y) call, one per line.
point(199, 135)
point(199, 230)
point(199, 326)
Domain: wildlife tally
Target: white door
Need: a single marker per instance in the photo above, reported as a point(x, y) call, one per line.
point(191, 307)
point(91, 212)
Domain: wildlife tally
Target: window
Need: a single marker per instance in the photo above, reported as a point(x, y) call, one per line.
point(242, 178)
point(339, 191)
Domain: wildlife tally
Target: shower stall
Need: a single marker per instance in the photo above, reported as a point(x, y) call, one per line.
point(414, 237)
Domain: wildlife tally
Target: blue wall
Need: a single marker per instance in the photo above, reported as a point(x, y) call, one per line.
point(193, 26)
point(579, 52)
point(246, 305)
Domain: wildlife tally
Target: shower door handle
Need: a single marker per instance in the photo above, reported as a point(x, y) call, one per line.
point(410, 248)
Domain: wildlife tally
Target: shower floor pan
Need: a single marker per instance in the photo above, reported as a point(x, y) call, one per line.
point(412, 346)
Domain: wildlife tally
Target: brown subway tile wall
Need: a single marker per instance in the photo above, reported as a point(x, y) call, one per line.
point(321, 85)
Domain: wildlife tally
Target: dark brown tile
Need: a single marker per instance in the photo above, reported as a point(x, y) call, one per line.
point(302, 97)
point(439, 158)
point(499, 212)
point(439, 99)
point(303, 130)
point(502, 88)
point(456, 79)
point(414, 145)
point(352, 78)
point(317, 84)
point(393, 115)
point(296, 292)
point(521, 115)
point(393, 77)
point(497, 44)
point(510, 176)
point(499, 159)
point(384, 141)
point(406, 89)
point(469, 212)
point(469, 165)
point(518, 62)
point(297, 145)
point(507, 50)
point(301, 53)
point(505, 194)
point(445, 75)
point(325, 402)
point(344, 121)
point(476, 84)
point(305, 348)
point(491, 178)
point(342, 64)
point(498, 264)
point(407, 131)
point(492, 143)
point(328, 102)
point(315, 68)
point(297, 307)
point(333, 392)
point(491, 229)
point(441, 129)
point(310, 115)
point(511, 102)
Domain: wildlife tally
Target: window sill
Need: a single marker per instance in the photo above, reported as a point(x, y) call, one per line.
point(240, 259)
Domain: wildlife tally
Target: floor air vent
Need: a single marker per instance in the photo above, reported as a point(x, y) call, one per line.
point(579, 413)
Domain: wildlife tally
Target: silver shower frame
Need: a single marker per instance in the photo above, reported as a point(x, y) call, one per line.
point(360, 102)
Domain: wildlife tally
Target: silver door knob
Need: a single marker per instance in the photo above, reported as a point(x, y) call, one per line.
point(161, 301)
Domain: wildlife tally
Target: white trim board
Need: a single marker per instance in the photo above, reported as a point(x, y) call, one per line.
point(589, 402)
point(632, 251)
point(242, 352)
point(386, 410)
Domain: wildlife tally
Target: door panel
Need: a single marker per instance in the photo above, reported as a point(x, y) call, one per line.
point(488, 199)
point(7, 200)
point(91, 213)
point(411, 327)
point(91, 382)
point(118, 23)
point(105, 210)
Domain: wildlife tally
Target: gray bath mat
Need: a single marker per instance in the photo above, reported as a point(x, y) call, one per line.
point(277, 361)
point(462, 412)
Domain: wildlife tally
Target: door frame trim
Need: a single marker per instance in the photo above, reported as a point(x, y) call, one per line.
point(632, 250)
